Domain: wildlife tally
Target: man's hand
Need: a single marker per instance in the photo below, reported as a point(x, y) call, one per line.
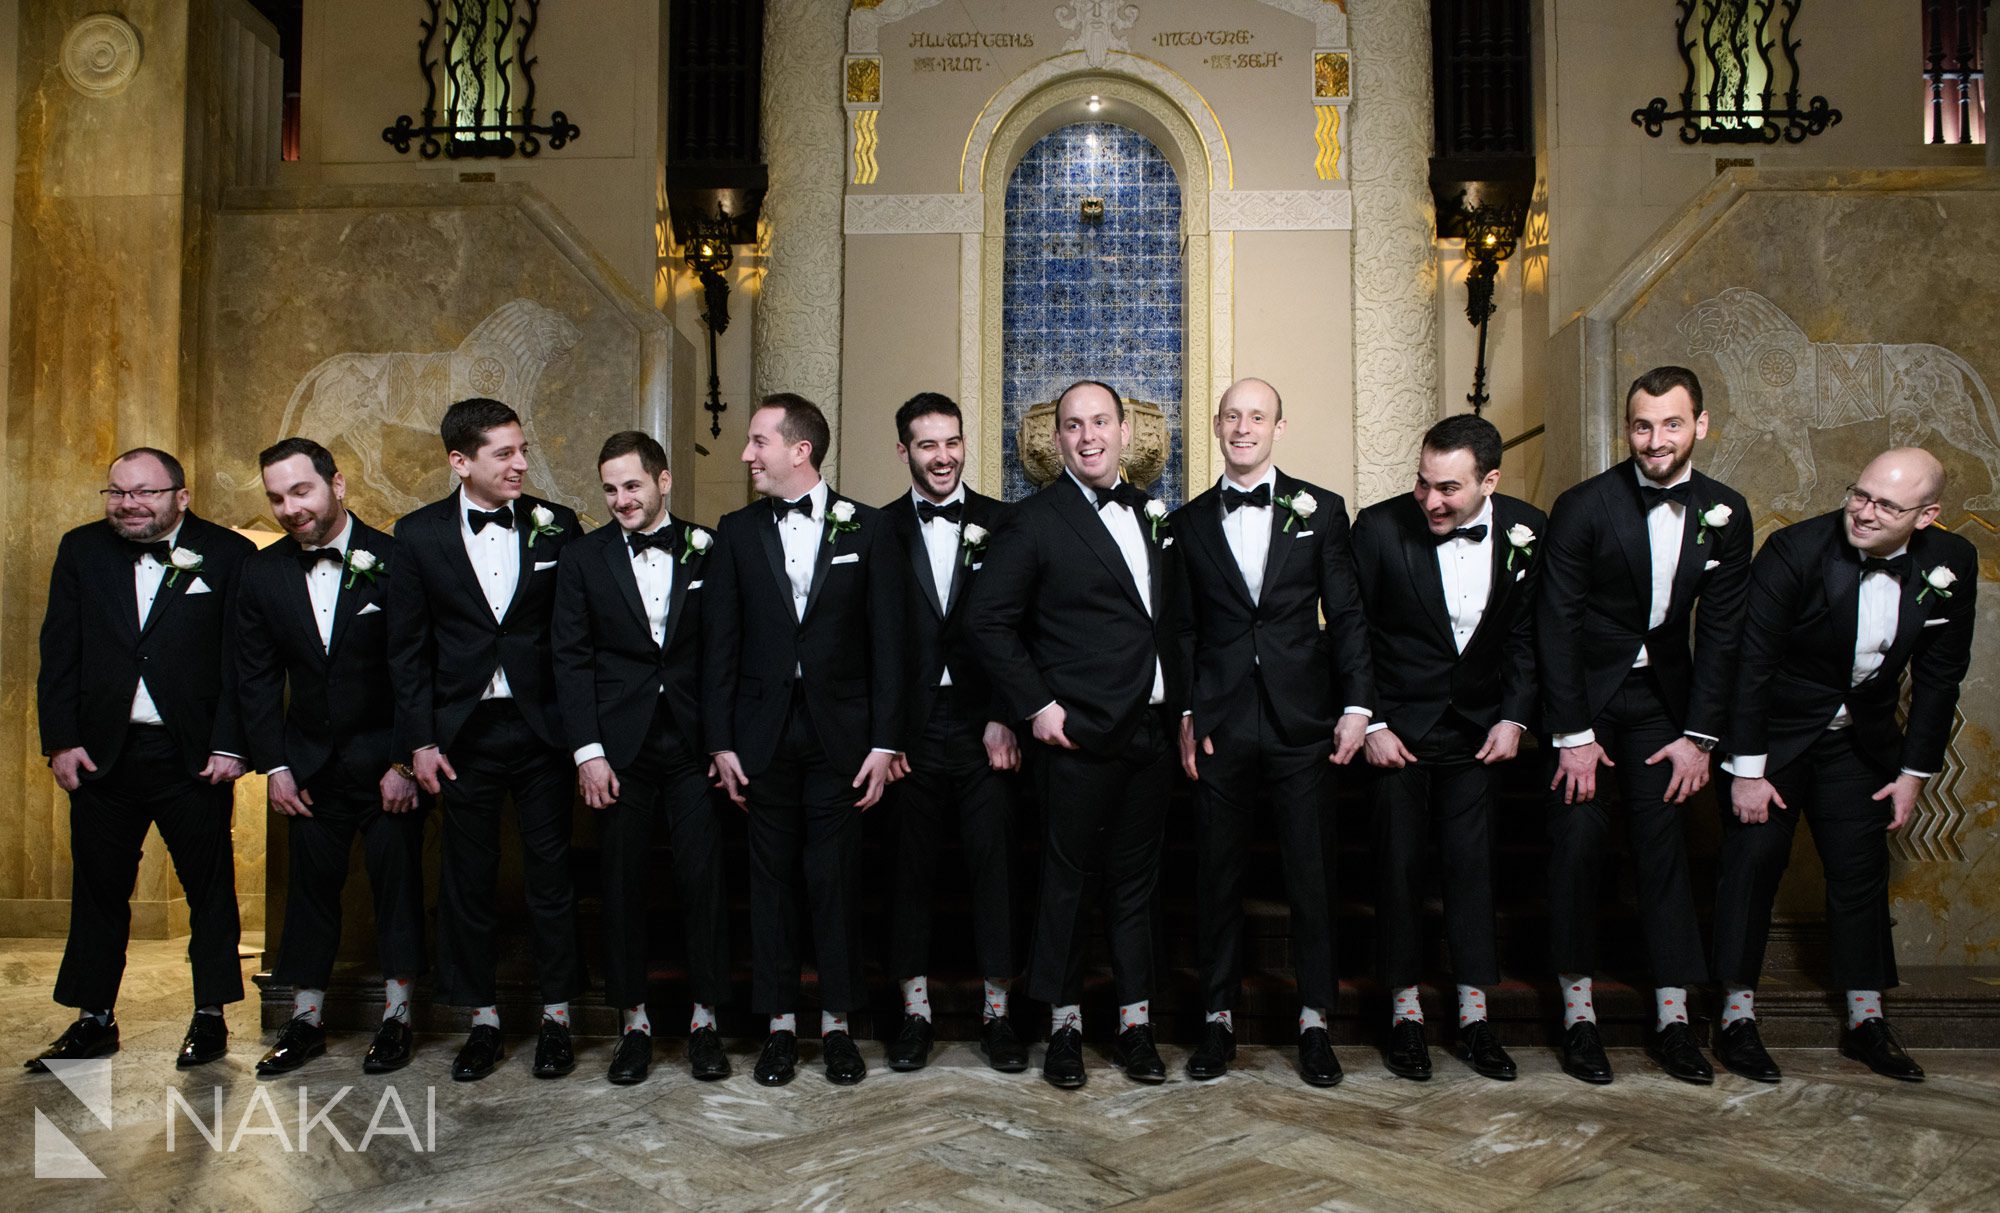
point(899, 767)
point(1503, 741)
point(1690, 769)
point(728, 770)
point(599, 783)
point(1348, 734)
point(1902, 797)
point(222, 768)
point(399, 792)
point(1751, 800)
point(1576, 771)
point(1003, 749)
point(430, 764)
point(287, 797)
point(1049, 727)
point(67, 765)
point(1187, 748)
point(1383, 748)
point(875, 777)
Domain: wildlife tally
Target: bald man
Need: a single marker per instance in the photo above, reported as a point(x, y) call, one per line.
point(1840, 605)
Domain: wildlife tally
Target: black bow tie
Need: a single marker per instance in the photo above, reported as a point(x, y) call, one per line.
point(502, 517)
point(666, 540)
point(1234, 499)
point(1476, 534)
point(803, 505)
point(954, 512)
point(1649, 496)
point(309, 557)
point(1896, 566)
point(1123, 493)
point(159, 549)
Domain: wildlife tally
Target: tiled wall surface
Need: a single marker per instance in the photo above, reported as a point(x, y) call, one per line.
point(1093, 300)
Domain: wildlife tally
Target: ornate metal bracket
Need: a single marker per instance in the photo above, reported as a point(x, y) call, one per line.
point(1734, 38)
point(480, 38)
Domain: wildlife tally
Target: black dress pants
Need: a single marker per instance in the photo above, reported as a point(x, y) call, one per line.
point(1447, 793)
point(108, 816)
point(1831, 785)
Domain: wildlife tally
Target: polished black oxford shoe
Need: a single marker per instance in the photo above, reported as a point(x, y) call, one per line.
point(1875, 1046)
point(632, 1059)
point(84, 1039)
point(1136, 1052)
point(706, 1060)
point(1317, 1064)
point(779, 1062)
point(1004, 1050)
point(1674, 1050)
point(299, 1041)
point(911, 1050)
point(391, 1049)
point(1062, 1065)
point(553, 1055)
point(1407, 1055)
point(481, 1053)
point(1583, 1054)
point(844, 1066)
point(207, 1040)
point(1479, 1048)
point(1218, 1049)
point(1741, 1051)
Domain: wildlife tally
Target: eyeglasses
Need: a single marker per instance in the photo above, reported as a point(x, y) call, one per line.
point(134, 494)
point(1857, 500)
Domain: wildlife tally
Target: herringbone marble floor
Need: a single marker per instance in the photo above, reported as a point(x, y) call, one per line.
point(960, 1137)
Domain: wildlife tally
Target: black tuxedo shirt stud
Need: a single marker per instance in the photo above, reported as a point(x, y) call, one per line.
point(502, 517)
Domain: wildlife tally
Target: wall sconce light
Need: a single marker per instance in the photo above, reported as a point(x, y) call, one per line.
point(708, 252)
point(1491, 233)
point(1094, 104)
point(1091, 210)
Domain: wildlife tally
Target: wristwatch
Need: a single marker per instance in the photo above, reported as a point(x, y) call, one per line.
point(1705, 744)
point(404, 769)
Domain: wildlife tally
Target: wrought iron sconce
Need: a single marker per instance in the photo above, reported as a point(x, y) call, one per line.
point(483, 40)
point(1733, 41)
point(1491, 233)
point(709, 252)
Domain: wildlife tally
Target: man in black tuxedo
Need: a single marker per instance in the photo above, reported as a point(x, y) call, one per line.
point(1629, 553)
point(958, 745)
point(802, 713)
point(476, 709)
point(137, 699)
point(1270, 704)
point(1840, 606)
point(312, 668)
point(1071, 619)
point(628, 655)
point(1449, 576)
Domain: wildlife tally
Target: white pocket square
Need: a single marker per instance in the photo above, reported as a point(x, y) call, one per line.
point(1713, 564)
point(371, 609)
point(544, 565)
point(694, 585)
point(197, 586)
point(1168, 542)
point(1520, 573)
point(979, 566)
point(850, 558)
point(1932, 623)
point(1303, 535)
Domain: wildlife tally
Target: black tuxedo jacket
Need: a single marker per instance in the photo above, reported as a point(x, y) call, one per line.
point(610, 674)
point(1419, 672)
point(934, 629)
point(1798, 648)
point(340, 704)
point(95, 648)
point(1225, 638)
point(444, 643)
point(1055, 617)
point(849, 644)
point(1597, 593)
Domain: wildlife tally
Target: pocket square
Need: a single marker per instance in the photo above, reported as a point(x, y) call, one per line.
point(544, 565)
point(979, 566)
point(1520, 573)
point(1303, 535)
point(850, 558)
point(693, 585)
point(373, 608)
point(1932, 623)
point(197, 586)
point(1167, 543)
point(1713, 564)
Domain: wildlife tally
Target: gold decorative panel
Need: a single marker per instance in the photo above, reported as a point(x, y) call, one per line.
point(1330, 75)
point(864, 80)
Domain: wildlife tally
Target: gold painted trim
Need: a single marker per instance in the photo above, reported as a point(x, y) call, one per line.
point(865, 168)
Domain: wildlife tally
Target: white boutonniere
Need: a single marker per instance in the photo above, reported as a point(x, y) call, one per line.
point(1156, 516)
point(182, 560)
point(1520, 542)
point(544, 520)
point(362, 563)
point(840, 519)
point(1938, 580)
point(973, 541)
point(1298, 507)
point(695, 542)
point(1714, 518)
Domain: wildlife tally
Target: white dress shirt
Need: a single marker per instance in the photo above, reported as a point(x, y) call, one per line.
point(148, 574)
point(800, 537)
point(654, 571)
point(495, 553)
point(1466, 569)
point(323, 590)
point(941, 543)
point(1247, 529)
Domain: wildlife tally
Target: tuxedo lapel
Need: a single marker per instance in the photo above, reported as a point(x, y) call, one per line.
point(1628, 523)
point(118, 585)
point(450, 527)
point(173, 584)
point(1693, 555)
point(1910, 612)
point(1282, 541)
point(1500, 584)
point(1207, 532)
point(1426, 582)
point(823, 553)
point(296, 591)
point(1082, 518)
point(684, 572)
point(524, 530)
point(912, 529)
point(774, 549)
point(1841, 574)
point(346, 604)
point(618, 557)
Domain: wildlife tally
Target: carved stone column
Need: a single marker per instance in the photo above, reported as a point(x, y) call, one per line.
point(796, 338)
point(1395, 265)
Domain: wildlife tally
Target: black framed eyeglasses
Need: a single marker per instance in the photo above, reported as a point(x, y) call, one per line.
point(1887, 509)
point(134, 494)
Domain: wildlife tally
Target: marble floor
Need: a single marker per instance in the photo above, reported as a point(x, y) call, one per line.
point(960, 1137)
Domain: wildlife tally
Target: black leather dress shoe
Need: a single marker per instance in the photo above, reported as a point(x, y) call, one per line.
point(1875, 1046)
point(631, 1060)
point(1218, 1049)
point(1741, 1052)
point(1407, 1055)
point(391, 1049)
point(207, 1039)
point(553, 1055)
point(1674, 1049)
point(481, 1052)
point(83, 1039)
point(706, 1060)
point(1317, 1064)
point(1004, 1050)
point(1062, 1065)
point(844, 1066)
point(1479, 1048)
point(779, 1062)
point(298, 1043)
point(1136, 1053)
point(911, 1049)
point(1583, 1054)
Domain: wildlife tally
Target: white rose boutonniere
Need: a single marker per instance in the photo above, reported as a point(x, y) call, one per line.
point(544, 520)
point(973, 540)
point(1714, 518)
point(1938, 579)
point(1520, 542)
point(695, 542)
point(1156, 516)
point(840, 519)
point(362, 563)
point(182, 560)
point(1298, 507)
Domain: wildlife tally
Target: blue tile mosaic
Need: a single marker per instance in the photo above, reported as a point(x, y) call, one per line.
point(1098, 300)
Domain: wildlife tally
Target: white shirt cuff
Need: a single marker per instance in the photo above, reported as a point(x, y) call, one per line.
point(226, 754)
point(1517, 724)
point(880, 750)
point(1038, 711)
point(1378, 726)
point(1565, 741)
point(1354, 711)
point(586, 753)
point(1746, 766)
point(1700, 736)
point(275, 770)
point(1918, 774)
